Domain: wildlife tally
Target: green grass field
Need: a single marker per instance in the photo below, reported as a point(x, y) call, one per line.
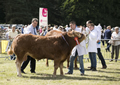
point(43, 76)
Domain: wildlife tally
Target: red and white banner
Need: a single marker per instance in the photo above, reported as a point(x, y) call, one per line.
point(43, 17)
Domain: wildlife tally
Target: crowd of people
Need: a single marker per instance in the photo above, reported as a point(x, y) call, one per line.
point(94, 34)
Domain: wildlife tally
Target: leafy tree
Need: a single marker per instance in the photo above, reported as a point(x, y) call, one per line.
point(61, 11)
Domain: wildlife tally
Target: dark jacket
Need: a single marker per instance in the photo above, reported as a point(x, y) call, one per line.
point(107, 34)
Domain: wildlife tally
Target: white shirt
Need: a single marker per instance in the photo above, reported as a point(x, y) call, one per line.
point(54, 28)
point(81, 48)
point(12, 34)
point(92, 46)
point(117, 37)
point(30, 29)
point(67, 29)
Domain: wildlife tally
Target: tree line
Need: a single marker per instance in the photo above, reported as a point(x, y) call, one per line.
point(61, 12)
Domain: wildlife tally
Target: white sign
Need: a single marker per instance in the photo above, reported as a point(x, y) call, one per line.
point(43, 17)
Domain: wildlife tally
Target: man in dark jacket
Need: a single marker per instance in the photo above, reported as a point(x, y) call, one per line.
point(107, 35)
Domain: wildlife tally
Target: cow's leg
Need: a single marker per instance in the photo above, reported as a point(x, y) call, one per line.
point(61, 68)
point(18, 66)
point(47, 64)
point(56, 65)
point(76, 67)
point(68, 61)
point(19, 60)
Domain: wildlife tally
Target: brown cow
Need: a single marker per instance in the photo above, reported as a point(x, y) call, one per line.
point(58, 33)
point(40, 47)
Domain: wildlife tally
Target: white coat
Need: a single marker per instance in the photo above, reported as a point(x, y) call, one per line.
point(98, 29)
point(92, 44)
point(81, 48)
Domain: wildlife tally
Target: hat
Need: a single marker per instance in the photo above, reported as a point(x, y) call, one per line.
point(13, 26)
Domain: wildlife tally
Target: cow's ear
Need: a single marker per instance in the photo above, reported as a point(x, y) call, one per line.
point(70, 34)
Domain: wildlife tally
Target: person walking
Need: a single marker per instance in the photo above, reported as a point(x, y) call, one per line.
point(79, 50)
point(31, 29)
point(107, 35)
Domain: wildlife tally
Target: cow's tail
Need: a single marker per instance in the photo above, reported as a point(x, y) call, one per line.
point(10, 51)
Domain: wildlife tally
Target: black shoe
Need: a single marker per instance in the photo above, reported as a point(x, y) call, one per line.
point(23, 72)
point(91, 68)
point(94, 69)
point(33, 72)
point(111, 60)
point(82, 74)
point(68, 73)
point(106, 50)
point(109, 50)
point(104, 67)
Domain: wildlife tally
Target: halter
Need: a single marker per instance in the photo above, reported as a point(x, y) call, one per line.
point(76, 39)
point(65, 39)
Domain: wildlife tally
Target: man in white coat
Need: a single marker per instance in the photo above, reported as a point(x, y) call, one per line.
point(79, 50)
point(92, 46)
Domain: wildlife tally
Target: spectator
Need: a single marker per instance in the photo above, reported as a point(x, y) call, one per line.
point(31, 29)
point(60, 28)
point(78, 50)
point(107, 35)
point(44, 31)
point(22, 30)
point(19, 32)
point(40, 30)
point(49, 28)
point(92, 46)
point(104, 27)
point(12, 34)
point(1, 32)
point(116, 45)
point(67, 28)
point(8, 29)
point(55, 27)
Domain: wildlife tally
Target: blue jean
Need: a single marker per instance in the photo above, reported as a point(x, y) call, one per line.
point(12, 57)
point(72, 58)
point(92, 56)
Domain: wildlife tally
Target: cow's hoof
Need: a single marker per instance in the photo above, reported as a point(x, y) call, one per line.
point(54, 76)
point(19, 75)
point(47, 65)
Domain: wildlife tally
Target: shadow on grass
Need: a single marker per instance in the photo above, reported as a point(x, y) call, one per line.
point(44, 76)
point(109, 72)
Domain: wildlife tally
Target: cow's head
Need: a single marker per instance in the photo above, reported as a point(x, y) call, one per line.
point(78, 35)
